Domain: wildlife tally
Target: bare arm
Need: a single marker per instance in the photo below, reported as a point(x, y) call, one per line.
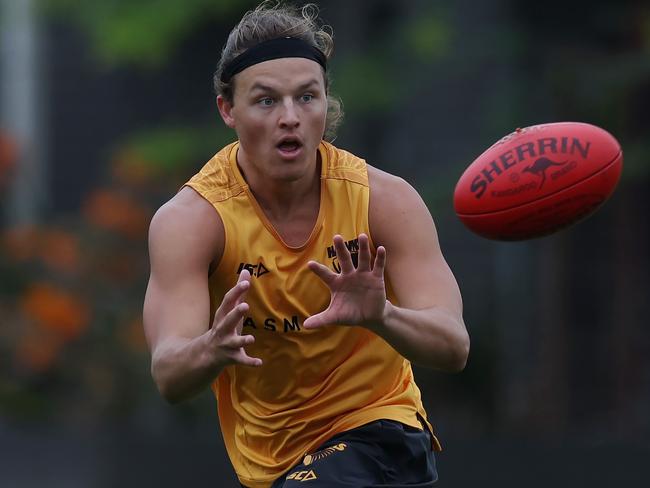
point(188, 347)
point(427, 327)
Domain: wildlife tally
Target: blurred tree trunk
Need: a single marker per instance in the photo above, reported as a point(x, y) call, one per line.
point(550, 382)
point(625, 340)
point(22, 109)
point(531, 317)
point(513, 311)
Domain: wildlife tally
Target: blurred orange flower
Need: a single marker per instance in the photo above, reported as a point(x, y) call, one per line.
point(60, 250)
point(116, 212)
point(56, 310)
point(21, 243)
point(38, 352)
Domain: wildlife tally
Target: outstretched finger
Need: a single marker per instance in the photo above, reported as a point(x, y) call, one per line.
point(380, 262)
point(322, 271)
point(244, 275)
point(244, 359)
point(234, 296)
point(364, 253)
point(343, 255)
point(317, 320)
point(239, 341)
point(232, 319)
point(245, 281)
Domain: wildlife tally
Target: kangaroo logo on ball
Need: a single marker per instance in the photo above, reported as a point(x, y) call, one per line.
point(539, 167)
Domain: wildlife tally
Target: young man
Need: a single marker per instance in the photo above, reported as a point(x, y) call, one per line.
point(300, 282)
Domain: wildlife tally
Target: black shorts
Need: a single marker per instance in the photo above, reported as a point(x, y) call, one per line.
point(384, 453)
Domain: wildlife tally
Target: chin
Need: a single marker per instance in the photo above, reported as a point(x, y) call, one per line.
point(289, 175)
point(295, 168)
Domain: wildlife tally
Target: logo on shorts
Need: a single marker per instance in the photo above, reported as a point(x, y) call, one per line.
point(303, 475)
point(310, 458)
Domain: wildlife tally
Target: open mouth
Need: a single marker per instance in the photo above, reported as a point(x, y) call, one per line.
point(289, 146)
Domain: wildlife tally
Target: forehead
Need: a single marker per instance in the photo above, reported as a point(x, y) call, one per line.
point(283, 73)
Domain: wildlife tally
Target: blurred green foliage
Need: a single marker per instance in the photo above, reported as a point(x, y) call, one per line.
point(364, 85)
point(429, 36)
point(178, 147)
point(143, 32)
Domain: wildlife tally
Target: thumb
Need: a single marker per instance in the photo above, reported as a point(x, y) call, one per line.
point(317, 321)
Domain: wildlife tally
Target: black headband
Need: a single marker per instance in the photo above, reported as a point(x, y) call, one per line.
point(283, 47)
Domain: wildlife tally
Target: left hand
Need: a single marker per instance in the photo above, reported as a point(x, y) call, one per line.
point(358, 295)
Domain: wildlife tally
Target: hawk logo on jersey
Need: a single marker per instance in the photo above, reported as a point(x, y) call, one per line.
point(353, 247)
point(310, 458)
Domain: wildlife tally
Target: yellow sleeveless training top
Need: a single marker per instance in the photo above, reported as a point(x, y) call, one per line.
point(313, 384)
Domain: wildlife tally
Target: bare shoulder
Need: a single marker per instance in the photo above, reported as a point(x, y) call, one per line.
point(394, 204)
point(380, 180)
point(187, 225)
point(401, 222)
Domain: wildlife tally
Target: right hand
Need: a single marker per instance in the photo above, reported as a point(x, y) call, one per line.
point(225, 334)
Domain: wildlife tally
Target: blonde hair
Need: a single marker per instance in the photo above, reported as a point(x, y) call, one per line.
point(271, 20)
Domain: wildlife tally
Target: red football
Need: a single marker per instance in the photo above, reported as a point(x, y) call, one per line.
point(538, 180)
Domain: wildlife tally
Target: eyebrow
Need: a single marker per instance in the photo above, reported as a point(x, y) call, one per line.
point(262, 87)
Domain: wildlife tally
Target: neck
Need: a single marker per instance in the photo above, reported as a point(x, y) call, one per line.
point(285, 200)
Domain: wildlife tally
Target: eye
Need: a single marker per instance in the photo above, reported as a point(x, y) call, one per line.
point(265, 102)
point(307, 97)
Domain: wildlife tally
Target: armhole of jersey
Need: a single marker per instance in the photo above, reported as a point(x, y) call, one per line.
point(217, 264)
point(373, 246)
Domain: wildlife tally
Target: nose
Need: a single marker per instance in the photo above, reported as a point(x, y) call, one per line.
point(289, 116)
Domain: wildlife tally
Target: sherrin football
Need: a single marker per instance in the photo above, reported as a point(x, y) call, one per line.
point(538, 180)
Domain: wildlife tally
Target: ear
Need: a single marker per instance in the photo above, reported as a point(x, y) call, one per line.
point(225, 109)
